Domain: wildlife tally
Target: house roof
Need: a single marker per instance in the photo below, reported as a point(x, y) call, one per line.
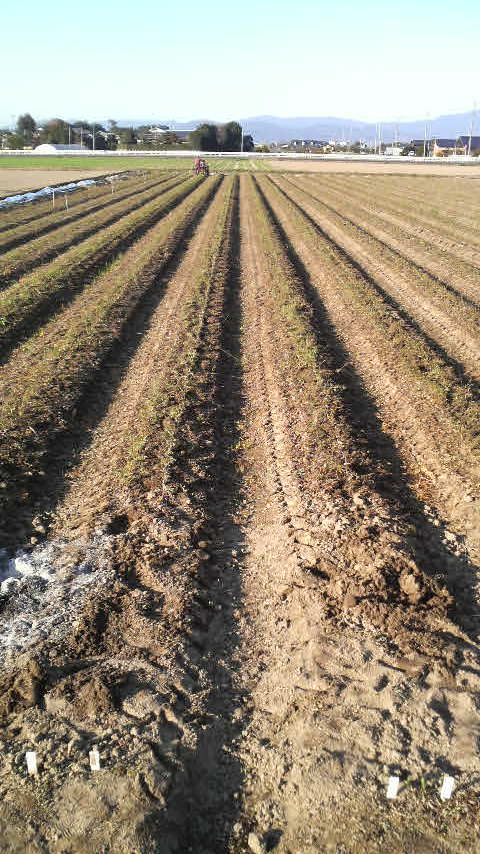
point(445, 143)
point(465, 140)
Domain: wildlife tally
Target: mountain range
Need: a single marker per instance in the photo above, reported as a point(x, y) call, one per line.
point(276, 129)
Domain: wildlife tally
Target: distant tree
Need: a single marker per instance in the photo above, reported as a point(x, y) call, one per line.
point(204, 138)
point(56, 132)
point(229, 137)
point(127, 138)
point(26, 127)
point(112, 126)
point(248, 144)
point(110, 141)
point(14, 140)
point(170, 138)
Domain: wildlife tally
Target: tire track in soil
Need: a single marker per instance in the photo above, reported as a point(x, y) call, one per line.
point(309, 758)
point(206, 484)
point(420, 445)
point(459, 345)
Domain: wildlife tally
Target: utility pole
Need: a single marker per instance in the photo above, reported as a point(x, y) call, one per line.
point(472, 124)
point(93, 136)
point(241, 149)
point(69, 134)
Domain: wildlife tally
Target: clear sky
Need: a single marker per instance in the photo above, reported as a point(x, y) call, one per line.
point(150, 59)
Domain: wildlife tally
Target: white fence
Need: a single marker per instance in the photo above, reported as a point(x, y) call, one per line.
point(459, 159)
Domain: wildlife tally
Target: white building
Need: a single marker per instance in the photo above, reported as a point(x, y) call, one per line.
point(53, 148)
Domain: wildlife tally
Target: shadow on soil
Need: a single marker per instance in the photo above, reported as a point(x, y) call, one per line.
point(204, 801)
point(426, 543)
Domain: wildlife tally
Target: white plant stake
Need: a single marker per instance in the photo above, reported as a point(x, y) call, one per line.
point(447, 788)
point(31, 759)
point(94, 757)
point(66, 203)
point(392, 788)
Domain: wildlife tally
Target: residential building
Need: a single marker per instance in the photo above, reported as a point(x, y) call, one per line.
point(445, 147)
point(468, 144)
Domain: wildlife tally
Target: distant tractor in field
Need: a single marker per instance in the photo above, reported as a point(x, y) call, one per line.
point(201, 167)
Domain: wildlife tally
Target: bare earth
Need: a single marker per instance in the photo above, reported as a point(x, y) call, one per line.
point(281, 609)
point(448, 170)
point(16, 180)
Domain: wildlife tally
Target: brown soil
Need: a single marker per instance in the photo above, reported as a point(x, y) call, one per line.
point(23, 180)
point(260, 630)
point(442, 315)
point(455, 261)
point(407, 168)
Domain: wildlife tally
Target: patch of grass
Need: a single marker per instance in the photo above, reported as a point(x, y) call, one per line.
point(119, 163)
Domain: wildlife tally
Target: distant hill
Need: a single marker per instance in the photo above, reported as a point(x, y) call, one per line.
point(276, 129)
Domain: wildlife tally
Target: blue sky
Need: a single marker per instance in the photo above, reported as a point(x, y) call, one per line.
point(370, 60)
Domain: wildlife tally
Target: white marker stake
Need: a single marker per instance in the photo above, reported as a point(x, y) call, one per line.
point(31, 758)
point(447, 788)
point(94, 757)
point(392, 788)
point(66, 203)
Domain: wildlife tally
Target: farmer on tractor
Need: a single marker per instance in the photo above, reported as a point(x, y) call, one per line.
point(201, 166)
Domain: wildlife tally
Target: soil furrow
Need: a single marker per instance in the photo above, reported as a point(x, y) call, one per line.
point(306, 677)
point(160, 356)
point(426, 236)
point(56, 366)
point(58, 219)
point(412, 210)
point(450, 327)
point(242, 465)
point(17, 262)
point(418, 429)
point(25, 306)
point(455, 268)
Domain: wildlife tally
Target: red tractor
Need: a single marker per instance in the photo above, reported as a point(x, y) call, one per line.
point(201, 167)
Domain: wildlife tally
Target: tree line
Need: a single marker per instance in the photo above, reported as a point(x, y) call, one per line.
point(227, 137)
point(207, 137)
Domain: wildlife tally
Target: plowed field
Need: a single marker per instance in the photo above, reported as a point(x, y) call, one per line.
point(240, 517)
